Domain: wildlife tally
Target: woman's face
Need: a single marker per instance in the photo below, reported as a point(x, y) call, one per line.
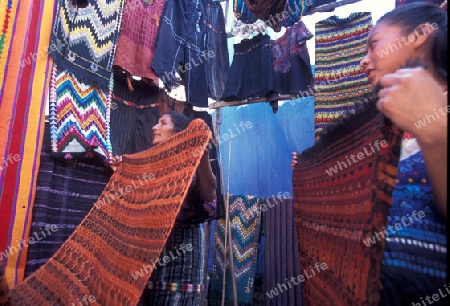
point(163, 129)
point(388, 49)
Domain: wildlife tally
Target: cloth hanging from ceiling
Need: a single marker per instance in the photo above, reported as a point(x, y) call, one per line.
point(24, 40)
point(66, 190)
point(133, 237)
point(245, 221)
point(79, 115)
point(136, 44)
point(84, 39)
point(281, 258)
point(292, 68)
point(181, 49)
point(133, 114)
point(216, 42)
point(340, 202)
point(339, 78)
point(251, 72)
point(274, 13)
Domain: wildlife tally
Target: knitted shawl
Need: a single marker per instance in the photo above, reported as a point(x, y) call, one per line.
point(105, 257)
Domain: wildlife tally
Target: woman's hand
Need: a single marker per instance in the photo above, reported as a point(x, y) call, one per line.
point(294, 160)
point(115, 161)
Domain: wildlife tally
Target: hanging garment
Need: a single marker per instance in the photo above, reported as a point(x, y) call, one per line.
point(112, 243)
point(79, 115)
point(274, 13)
point(136, 45)
point(251, 73)
point(133, 114)
point(84, 39)
point(281, 246)
point(339, 78)
point(67, 187)
point(245, 222)
point(414, 262)
point(24, 79)
point(340, 202)
point(181, 49)
point(217, 67)
point(291, 65)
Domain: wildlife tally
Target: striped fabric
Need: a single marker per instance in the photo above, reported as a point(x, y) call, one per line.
point(125, 231)
point(24, 78)
point(79, 115)
point(339, 79)
point(84, 39)
point(281, 257)
point(245, 219)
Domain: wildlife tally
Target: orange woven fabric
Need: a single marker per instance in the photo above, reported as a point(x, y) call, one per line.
point(125, 230)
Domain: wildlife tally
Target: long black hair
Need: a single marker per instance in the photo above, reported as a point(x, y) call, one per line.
point(180, 121)
point(410, 16)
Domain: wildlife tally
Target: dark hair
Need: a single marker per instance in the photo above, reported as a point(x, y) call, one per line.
point(180, 121)
point(410, 16)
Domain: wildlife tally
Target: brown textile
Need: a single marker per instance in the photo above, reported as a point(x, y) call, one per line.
point(124, 232)
point(267, 10)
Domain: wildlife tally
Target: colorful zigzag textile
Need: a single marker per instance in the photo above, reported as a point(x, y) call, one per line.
point(340, 201)
point(245, 222)
point(137, 39)
point(274, 13)
point(24, 80)
point(79, 115)
point(124, 232)
point(339, 79)
point(84, 39)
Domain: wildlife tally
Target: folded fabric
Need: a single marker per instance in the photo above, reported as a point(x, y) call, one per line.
point(124, 232)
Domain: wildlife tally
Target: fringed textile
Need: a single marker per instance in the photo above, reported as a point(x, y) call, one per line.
point(281, 258)
point(84, 39)
point(125, 230)
point(136, 46)
point(24, 80)
point(245, 221)
point(79, 115)
point(339, 79)
point(340, 202)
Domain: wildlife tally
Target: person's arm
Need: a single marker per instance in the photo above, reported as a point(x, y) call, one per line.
point(206, 181)
point(415, 102)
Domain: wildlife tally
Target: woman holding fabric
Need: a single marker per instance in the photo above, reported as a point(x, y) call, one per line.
point(415, 99)
point(180, 280)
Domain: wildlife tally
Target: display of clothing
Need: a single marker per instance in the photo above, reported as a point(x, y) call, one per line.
point(136, 45)
point(341, 203)
point(79, 115)
point(84, 39)
point(130, 223)
point(414, 262)
point(339, 79)
point(292, 68)
point(245, 219)
point(251, 72)
point(181, 49)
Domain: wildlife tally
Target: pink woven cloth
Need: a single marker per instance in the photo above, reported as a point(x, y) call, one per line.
point(137, 39)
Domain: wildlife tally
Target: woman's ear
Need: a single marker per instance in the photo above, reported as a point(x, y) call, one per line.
point(422, 33)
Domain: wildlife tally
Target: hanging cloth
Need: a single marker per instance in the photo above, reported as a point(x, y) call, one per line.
point(84, 39)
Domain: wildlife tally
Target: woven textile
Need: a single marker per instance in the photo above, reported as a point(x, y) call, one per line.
point(245, 221)
point(339, 79)
point(23, 95)
point(136, 45)
point(275, 13)
point(5, 15)
point(84, 39)
point(66, 190)
point(339, 203)
point(281, 258)
point(79, 115)
point(125, 230)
